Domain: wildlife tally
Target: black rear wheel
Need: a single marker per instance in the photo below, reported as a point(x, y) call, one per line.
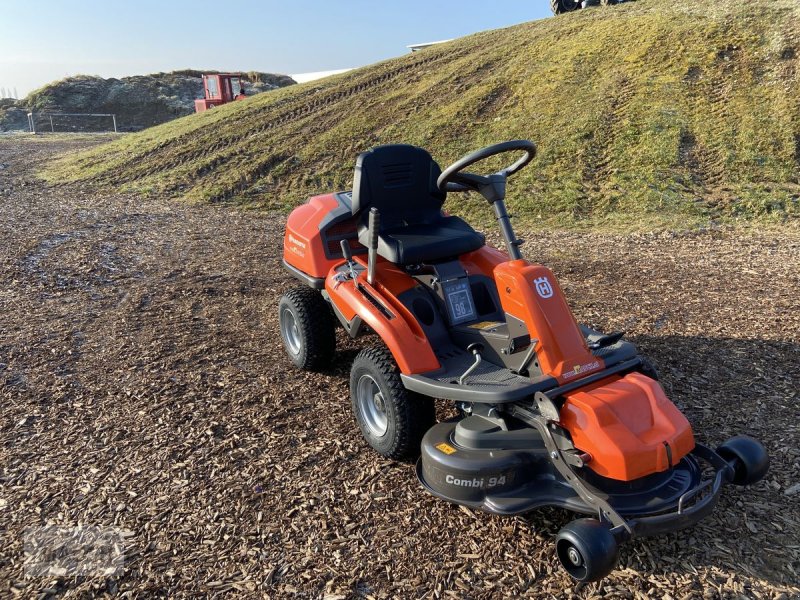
point(307, 328)
point(392, 419)
point(586, 549)
point(564, 6)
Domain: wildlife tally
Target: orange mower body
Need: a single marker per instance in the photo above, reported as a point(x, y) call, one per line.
point(627, 425)
point(550, 411)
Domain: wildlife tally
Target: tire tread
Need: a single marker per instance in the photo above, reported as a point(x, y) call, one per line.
point(316, 320)
point(415, 413)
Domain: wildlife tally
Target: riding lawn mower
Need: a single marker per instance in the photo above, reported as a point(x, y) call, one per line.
point(551, 413)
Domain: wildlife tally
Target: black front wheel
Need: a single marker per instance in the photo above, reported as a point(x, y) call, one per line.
point(391, 418)
point(586, 549)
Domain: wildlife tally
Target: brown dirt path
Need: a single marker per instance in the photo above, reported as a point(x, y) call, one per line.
point(143, 386)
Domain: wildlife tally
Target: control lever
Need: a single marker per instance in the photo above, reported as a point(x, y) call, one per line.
point(523, 368)
point(374, 225)
point(348, 256)
point(476, 351)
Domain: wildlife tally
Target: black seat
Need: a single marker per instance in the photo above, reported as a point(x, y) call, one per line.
point(400, 181)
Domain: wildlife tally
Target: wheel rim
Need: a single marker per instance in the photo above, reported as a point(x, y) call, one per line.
point(572, 560)
point(372, 406)
point(574, 556)
point(290, 331)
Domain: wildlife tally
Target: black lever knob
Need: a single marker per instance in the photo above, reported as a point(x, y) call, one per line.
point(476, 348)
point(374, 226)
point(348, 255)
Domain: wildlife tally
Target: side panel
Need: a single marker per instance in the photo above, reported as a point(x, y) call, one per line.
point(628, 426)
point(203, 104)
point(532, 294)
point(303, 246)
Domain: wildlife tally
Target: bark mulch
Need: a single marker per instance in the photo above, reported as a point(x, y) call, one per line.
point(143, 387)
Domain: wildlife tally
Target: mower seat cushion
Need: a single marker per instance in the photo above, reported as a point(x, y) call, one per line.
point(414, 244)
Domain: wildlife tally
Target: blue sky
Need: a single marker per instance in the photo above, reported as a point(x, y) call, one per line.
point(44, 40)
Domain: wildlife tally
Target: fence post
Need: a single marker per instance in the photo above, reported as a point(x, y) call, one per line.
point(52, 128)
point(31, 123)
point(114, 118)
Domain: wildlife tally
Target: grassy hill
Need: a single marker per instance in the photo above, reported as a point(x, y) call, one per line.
point(654, 113)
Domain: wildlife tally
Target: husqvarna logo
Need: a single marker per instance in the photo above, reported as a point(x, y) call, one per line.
point(297, 247)
point(296, 242)
point(543, 287)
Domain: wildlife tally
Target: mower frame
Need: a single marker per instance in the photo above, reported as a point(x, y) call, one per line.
point(531, 431)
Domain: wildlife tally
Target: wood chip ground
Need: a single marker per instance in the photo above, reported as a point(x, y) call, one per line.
point(143, 386)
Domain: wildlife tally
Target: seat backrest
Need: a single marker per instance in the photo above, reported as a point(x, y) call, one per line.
point(400, 181)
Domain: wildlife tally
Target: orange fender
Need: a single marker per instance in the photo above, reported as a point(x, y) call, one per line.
point(393, 322)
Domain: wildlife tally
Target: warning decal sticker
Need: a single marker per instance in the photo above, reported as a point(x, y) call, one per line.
point(446, 448)
point(485, 325)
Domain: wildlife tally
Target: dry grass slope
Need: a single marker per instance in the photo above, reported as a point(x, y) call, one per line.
point(655, 113)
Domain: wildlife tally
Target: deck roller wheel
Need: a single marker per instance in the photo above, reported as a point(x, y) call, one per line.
point(586, 549)
point(749, 457)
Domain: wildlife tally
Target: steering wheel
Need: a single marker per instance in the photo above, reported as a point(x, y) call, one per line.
point(491, 187)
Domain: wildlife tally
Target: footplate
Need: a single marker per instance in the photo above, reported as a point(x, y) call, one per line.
point(488, 383)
